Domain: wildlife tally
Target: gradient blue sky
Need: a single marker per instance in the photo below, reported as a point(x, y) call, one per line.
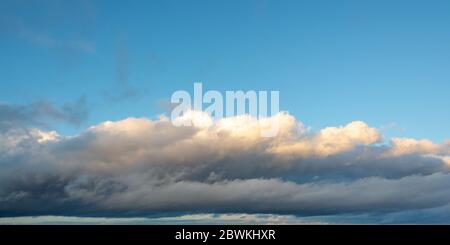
point(384, 62)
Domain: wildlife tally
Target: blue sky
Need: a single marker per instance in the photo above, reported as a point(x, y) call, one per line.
point(384, 62)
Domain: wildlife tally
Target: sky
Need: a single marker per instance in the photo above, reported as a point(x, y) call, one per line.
point(362, 83)
point(384, 62)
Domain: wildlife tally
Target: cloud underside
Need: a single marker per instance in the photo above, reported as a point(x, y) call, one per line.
point(139, 166)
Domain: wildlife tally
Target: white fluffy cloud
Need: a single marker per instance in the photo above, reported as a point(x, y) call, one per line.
point(140, 166)
point(331, 141)
point(406, 146)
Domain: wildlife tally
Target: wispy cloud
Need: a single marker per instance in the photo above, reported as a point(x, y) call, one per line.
point(42, 112)
point(16, 21)
point(123, 89)
point(43, 39)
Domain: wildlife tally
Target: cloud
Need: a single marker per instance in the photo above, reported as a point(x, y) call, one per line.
point(123, 89)
point(40, 113)
point(405, 146)
point(139, 166)
point(180, 219)
point(52, 42)
point(40, 27)
point(332, 140)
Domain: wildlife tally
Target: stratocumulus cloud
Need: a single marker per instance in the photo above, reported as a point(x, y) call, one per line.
point(140, 166)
